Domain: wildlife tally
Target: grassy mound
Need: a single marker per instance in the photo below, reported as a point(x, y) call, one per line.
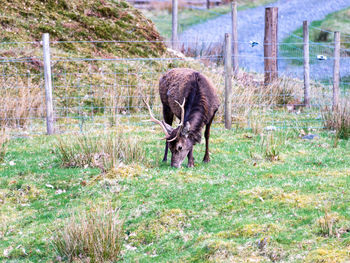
point(80, 20)
point(91, 31)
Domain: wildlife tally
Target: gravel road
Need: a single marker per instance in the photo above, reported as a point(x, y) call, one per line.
point(251, 28)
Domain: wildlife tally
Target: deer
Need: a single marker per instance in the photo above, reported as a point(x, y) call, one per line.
point(191, 97)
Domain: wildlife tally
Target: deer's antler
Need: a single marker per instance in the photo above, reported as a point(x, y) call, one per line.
point(153, 119)
point(180, 126)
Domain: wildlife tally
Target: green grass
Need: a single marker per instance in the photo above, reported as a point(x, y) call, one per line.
point(237, 208)
point(190, 17)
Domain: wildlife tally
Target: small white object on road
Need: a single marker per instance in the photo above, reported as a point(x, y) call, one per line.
point(321, 57)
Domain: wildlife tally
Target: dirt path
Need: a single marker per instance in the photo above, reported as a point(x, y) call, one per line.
point(251, 28)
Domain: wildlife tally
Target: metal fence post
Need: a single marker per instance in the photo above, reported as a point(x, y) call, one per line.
point(234, 37)
point(336, 71)
point(228, 81)
point(174, 24)
point(306, 64)
point(48, 84)
point(270, 44)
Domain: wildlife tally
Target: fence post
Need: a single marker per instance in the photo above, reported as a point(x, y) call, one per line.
point(306, 64)
point(48, 84)
point(336, 71)
point(234, 37)
point(270, 44)
point(174, 24)
point(228, 81)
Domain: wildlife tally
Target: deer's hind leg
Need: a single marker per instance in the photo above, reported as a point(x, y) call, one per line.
point(206, 158)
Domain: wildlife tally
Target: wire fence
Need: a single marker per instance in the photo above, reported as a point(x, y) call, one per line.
point(100, 92)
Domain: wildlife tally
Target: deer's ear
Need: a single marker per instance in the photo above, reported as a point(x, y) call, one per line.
point(186, 130)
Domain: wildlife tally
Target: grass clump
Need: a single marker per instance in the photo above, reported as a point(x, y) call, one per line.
point(327, 222)
point(91, 236)
point(328, 255)
point(3, 145)
point(19, 105)
point(271, 147)
point(338, 120)
point(104, 151)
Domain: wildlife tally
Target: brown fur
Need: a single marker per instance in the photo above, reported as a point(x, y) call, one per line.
point(200, 108)
point(177, 84)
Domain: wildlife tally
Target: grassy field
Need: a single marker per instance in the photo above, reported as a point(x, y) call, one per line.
point(260, 199)
point(190, 17)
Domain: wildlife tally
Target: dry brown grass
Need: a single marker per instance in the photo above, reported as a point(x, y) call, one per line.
point(338, 119)
point(3, 144)
point(95, 235)
point(19, 102)
point(326, 223)
point(251, 95)
point(105, 151)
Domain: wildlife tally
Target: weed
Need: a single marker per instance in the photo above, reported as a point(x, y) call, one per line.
point(326, 223)
point(19, 105)
point(271, 146)
point(3, 145)
point(92, 236)
point(104, 151)
point(338, 119)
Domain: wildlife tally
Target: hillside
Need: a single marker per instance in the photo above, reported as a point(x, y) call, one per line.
point(80, 20)
point(83, 49)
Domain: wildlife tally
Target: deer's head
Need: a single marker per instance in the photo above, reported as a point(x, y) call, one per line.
point(177, 138)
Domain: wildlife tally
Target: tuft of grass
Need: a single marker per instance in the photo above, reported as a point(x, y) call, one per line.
point(19, 105)
point(3, 145)
point(327, 222)
point(104, 151)
point(95, 235)
point(338, 120)
point(271, 146)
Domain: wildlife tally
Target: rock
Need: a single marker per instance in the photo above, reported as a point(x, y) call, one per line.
point(310, 137)
point(270, 128)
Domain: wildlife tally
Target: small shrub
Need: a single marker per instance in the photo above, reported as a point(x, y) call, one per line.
point(338, 120)
point(92, 236)
point(3, 145)
point(102, 151)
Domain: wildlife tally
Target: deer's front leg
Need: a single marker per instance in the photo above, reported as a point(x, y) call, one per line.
point(166, 152)
point(190, 159)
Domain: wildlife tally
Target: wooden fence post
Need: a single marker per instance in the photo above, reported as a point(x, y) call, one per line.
point(48, 84)
point(174, 24)
point(234, 38)
point(306, 64)
point(228, 81)
point(270, 44)
point(336, 70)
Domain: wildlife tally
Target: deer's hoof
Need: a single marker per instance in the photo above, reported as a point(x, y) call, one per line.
point(190, 165)
point(206, 160)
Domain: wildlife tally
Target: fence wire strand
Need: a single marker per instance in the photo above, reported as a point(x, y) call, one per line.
point(105, 92)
